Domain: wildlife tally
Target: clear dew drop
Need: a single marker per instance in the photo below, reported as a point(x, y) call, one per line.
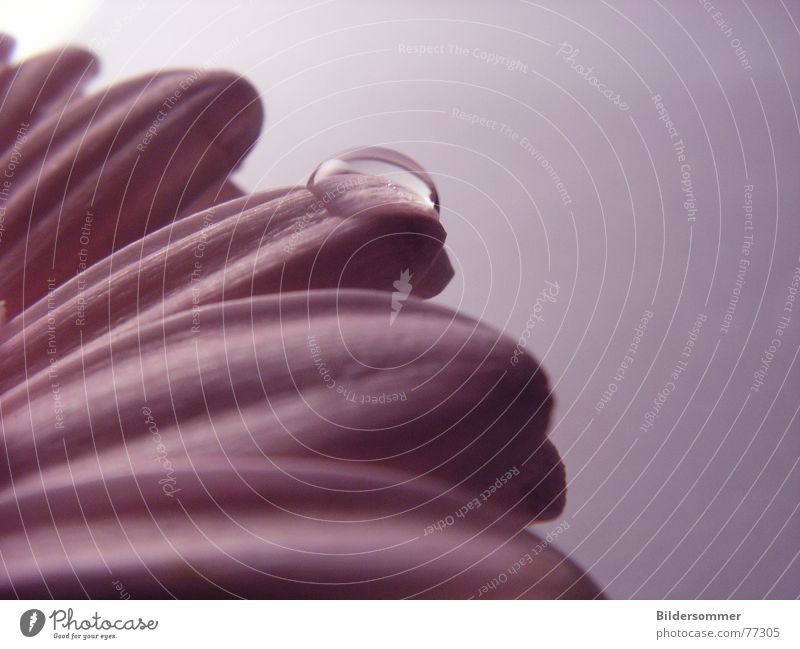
point(396, 168)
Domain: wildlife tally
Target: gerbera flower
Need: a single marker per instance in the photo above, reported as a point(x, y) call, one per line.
point(208, 394)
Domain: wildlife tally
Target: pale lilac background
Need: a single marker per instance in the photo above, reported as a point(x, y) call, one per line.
point(705, 503)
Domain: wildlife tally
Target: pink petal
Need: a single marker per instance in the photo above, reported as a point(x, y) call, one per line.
point(303, 375)
point(40, 86)
point(118, 163)
point(280, 240)
point(258, 532)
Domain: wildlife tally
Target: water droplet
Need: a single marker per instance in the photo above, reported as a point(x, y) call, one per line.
point(398, 169)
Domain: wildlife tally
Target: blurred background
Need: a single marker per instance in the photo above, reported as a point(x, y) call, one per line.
point(638, 160)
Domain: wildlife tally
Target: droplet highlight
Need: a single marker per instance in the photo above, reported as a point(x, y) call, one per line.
point(395, 167)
